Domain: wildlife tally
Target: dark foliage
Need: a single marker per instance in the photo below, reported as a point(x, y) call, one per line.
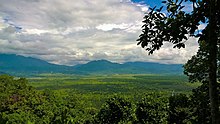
point(201, 104)
point(179, 109)
point(115, 110)
point(152, 109)
point(175, 26)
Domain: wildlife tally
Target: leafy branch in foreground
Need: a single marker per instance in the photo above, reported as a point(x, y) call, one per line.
point(176, 26)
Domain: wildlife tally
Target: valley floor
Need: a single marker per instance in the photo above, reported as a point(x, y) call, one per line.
point(77, 99)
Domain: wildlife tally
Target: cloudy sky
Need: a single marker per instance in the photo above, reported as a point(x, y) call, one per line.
point(70, 32)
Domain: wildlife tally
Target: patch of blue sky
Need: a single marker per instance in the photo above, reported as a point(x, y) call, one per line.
point(158, 3)
point(151, 3)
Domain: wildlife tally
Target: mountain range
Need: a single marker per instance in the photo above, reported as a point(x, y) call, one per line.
point(20, 65)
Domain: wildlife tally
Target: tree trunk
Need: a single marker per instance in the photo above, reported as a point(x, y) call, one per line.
point(212, 41)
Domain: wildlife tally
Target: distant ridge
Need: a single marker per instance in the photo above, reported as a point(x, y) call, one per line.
point(16, 64)
point(20, 65)
point(107, 67)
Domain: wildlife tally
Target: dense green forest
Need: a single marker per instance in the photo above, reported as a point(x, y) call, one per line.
point(175, 24)
point(115, 99)
point(104, 97)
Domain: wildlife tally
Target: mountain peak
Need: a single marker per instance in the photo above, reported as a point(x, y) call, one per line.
point(100, 61)
point(98, 65)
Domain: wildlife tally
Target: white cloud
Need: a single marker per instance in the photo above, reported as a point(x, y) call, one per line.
point(188, 7)
point(108, 27)
point(76, 31)
point(202, 26)
point(143, 7)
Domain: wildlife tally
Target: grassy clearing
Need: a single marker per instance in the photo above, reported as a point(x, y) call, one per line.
point(108, 84)
point(93, 90)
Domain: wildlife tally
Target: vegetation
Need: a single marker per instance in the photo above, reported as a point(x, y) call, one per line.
point(109, 84)
point(128, 98)
point(70, 99)
point(175, 25)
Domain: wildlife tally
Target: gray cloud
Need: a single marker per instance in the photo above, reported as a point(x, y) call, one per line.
point(77, 31)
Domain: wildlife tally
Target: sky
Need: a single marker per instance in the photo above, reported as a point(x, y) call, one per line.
point(70, 32)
